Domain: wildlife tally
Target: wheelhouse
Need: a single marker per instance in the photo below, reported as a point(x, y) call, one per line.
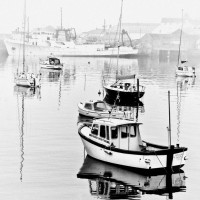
point(124, 136)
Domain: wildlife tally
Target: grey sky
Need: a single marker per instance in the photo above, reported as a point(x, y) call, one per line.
point(84, 15)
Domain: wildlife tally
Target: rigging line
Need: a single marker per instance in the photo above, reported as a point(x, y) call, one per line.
point(120, 24)
point(160, 162)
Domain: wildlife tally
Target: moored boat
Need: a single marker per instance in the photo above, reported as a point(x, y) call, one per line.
point(185, 70)
point(52, 63)
point(119, 142)
point(124, 91)
point(98, 109)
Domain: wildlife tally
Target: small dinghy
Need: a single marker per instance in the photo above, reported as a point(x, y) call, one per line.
point(98, 109)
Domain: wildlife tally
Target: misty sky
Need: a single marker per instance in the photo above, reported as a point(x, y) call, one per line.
point(85, 15)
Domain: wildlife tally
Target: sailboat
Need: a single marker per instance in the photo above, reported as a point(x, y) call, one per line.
point(124, 88)
point(23, 78)
point(183, 68)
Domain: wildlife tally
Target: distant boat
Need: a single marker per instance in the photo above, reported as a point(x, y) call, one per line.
point(52, 63)
point(108, 181)
point(23, 78)
point(119, 141)
point(64, 43)
point(183, 67)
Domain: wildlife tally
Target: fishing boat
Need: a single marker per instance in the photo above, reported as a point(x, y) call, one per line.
point(125, 87)
point(183, 67)
point(119, 141)
point(23, 78)
point(51, 63)
point(64, 43)
point(108, 181)
point(98, 109)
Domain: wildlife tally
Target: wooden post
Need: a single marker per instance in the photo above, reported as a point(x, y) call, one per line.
point(169, 128)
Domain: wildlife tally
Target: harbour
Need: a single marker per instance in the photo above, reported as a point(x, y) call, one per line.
point(43, 161)
point(102, 114)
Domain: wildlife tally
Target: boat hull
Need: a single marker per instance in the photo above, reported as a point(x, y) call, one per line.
point(156, 160)
point(123, 96)
point(51, 67)
point(98, 114)
point(13, 47)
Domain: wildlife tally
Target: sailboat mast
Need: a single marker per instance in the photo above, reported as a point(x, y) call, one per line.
point(24, 35)
point(180, 38)
point(120, 24)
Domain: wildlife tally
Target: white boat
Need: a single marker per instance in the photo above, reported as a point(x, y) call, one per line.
point(52, 63)
point(119, 142)
point(98, 109)
point(108, 181)
point(23, 78)
point(183, 68)
point(65, 48)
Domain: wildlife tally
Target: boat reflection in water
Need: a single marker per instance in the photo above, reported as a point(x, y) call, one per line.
point(51, 75)
point(108, 181)
point(22, 94)
point(185, 82)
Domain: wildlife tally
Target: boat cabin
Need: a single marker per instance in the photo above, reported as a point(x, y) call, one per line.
point(96, 105)
point(122, 134)
point(53, 61)
point(125, 86)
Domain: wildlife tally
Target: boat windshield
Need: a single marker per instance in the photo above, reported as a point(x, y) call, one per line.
point(100, 106)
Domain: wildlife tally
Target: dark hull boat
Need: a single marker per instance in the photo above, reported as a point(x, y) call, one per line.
point(124, 91)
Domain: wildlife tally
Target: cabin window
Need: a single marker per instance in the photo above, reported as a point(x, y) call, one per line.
point(114, 133)
point(100, 106)
point(180, 68)
point(88, 106)
point(102, 131)
point(107, 132)
point(124, 131)
point(95, 129)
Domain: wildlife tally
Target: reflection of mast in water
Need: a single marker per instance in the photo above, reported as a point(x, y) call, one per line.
point(21, 131)
point(59, 94)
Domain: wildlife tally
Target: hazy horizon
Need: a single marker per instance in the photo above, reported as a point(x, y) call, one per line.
point(90, 14)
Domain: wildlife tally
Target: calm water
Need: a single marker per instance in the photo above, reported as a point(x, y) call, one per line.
point(40, 150)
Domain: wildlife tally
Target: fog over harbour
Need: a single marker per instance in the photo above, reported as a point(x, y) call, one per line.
point(90, 14)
